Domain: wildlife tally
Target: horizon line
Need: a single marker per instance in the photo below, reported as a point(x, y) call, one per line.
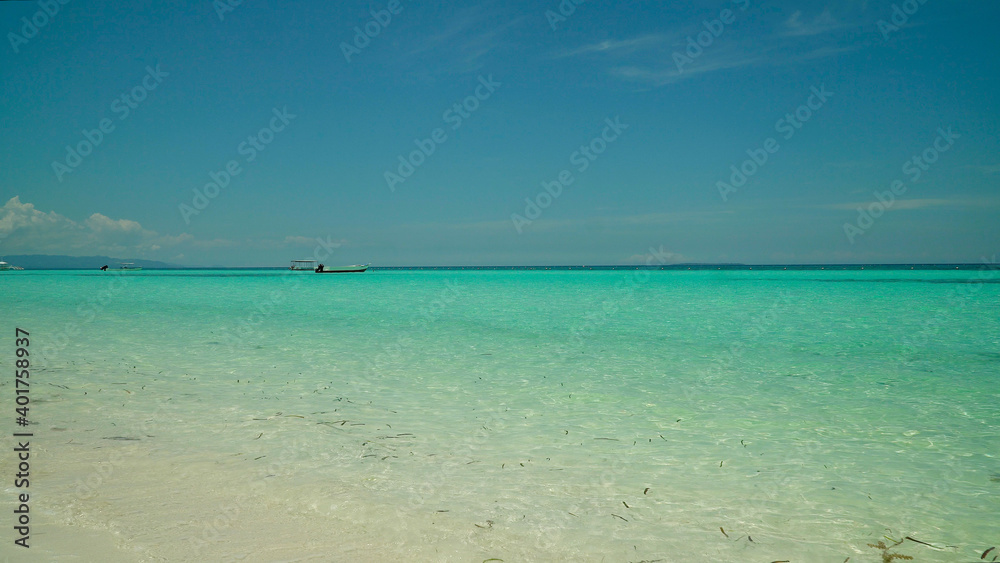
point(687, 265)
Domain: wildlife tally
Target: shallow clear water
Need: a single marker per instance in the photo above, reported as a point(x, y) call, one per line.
point(519, 415)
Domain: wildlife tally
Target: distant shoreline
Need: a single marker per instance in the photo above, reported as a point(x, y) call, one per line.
point(730, 267)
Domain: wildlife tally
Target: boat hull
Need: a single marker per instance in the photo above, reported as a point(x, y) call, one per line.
point(347, 270)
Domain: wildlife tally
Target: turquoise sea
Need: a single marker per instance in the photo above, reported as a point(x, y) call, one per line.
point(516, 415)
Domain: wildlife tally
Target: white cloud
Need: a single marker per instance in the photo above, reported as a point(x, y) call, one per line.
point(103, 223)
point(25, 229)
point(20, 222)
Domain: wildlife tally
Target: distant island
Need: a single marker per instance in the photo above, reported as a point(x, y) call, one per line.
point(60, 262)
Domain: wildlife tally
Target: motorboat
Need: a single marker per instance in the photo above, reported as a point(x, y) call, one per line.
point(358, 268)
point(123, 267)
point(5, 266)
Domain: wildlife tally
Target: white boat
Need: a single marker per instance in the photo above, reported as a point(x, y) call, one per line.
point(303, 265)
point(321, 269)
point(5, 266)
point(123, 267)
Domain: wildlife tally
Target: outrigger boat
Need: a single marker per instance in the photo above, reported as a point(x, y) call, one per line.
point(321, 269)
point(311, 266)
point(125, 267)
point(5, 266)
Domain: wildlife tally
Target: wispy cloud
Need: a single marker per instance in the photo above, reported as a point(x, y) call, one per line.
point(300, 241)
point(660, 258)
point(547, 225)
point(909, 204)
point(663, 75)
point(824, 22)
point(616, 47)
point(822, 53)
point(987, 169)
point(466, 39)
point(651, 59)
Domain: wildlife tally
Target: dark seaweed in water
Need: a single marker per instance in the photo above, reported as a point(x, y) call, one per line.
point(995, 477)
point(888, 556)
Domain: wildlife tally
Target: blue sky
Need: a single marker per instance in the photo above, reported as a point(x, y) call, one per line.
point(313, 132)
